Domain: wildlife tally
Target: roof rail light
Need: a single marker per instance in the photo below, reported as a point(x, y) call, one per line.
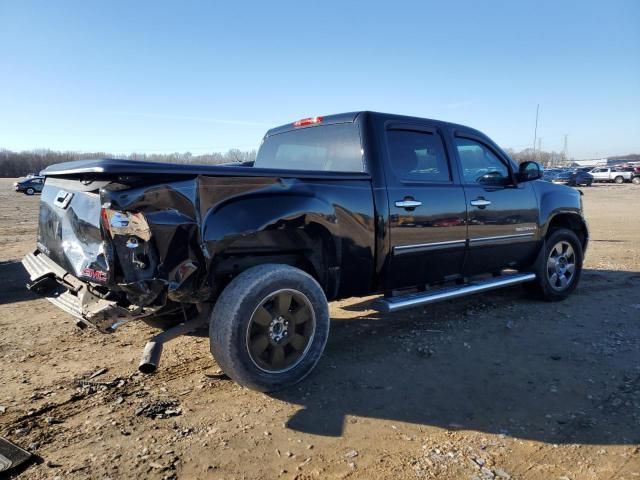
point(307, 121)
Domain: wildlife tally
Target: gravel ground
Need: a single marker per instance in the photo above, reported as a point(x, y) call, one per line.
point(495, 386)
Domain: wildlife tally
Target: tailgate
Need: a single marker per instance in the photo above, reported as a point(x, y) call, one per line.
point(69, 227)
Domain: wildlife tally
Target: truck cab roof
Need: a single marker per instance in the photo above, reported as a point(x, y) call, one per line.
point(350, 117)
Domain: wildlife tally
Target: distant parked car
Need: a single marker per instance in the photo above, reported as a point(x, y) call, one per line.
point(30, 185)
point(611, 174)
point(574, 179)
point(550, 174)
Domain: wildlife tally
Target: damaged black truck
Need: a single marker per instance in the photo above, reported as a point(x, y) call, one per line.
point(338, 206)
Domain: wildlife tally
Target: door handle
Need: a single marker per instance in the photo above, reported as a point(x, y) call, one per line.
point(480, 202)
point(408, 203)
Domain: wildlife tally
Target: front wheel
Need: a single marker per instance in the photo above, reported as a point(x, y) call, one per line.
point(269, 327)
point(635, 180)
point(558, 266)
point(30, 191)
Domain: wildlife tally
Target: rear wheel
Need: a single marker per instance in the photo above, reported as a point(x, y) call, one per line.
point(269, 327)
point(635, 180)
point(558, 266)
point(618, 179)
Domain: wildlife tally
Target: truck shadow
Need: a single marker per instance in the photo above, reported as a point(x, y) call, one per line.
point(14, 279)
point(499, 363)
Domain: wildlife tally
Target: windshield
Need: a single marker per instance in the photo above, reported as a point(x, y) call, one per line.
point(325, 147)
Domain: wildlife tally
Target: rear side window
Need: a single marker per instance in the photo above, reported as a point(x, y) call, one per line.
point(326, 147)
point(418, 156)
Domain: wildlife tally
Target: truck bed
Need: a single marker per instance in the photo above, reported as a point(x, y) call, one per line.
point(141, 235)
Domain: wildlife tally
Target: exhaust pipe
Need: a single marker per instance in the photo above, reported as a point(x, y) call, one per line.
point(151, 355)
point(153, 349)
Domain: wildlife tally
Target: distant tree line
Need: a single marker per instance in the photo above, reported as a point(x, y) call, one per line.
point(19, 164)
point(545, 158)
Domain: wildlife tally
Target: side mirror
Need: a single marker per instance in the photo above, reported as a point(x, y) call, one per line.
point(529, 171)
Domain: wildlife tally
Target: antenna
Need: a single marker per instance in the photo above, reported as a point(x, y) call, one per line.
point(535, 132)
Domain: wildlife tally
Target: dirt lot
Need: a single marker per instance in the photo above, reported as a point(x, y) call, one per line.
point(493, 386)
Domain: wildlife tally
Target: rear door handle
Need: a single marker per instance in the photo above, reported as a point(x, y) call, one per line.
point(408, 203)
point(480, 202)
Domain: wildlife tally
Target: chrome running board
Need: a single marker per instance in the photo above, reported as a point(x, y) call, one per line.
point(401, 302)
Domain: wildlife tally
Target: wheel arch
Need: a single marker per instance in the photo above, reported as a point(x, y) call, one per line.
point(311, 248)
point(572, 221)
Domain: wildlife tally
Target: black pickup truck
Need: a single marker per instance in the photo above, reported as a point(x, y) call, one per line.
point(333, 207)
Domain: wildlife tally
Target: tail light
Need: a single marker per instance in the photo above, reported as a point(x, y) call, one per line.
point(117, 222)
point(104, 219)
point(128, 235)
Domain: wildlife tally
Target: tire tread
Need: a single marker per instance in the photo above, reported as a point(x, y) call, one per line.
point(225, 318)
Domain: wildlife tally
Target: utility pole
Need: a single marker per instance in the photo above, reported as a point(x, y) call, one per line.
point(535, 132)
point(539, 145)
point(565, 150)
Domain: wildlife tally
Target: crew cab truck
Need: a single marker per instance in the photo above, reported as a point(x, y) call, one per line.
point(611, 174)
point(338, 206)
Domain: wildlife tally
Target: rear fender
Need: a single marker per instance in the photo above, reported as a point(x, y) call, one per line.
point(269, 221)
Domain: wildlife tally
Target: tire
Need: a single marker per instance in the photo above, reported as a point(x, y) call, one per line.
point(635, 180)
point(619, 179)
point(549, 262)
point(251, 334)
point(30, 191)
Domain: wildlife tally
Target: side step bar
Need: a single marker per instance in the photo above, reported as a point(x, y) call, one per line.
point(402, 302)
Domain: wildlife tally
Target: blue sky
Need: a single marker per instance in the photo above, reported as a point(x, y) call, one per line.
point(157, 76)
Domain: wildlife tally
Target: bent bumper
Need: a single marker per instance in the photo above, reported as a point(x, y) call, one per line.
point(72, 295)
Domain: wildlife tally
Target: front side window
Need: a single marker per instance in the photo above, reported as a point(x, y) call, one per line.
point(334, 147)
point(480, 165)
point(418, 156)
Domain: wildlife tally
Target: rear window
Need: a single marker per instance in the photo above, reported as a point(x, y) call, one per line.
point(326, 147)
point(418, 156)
